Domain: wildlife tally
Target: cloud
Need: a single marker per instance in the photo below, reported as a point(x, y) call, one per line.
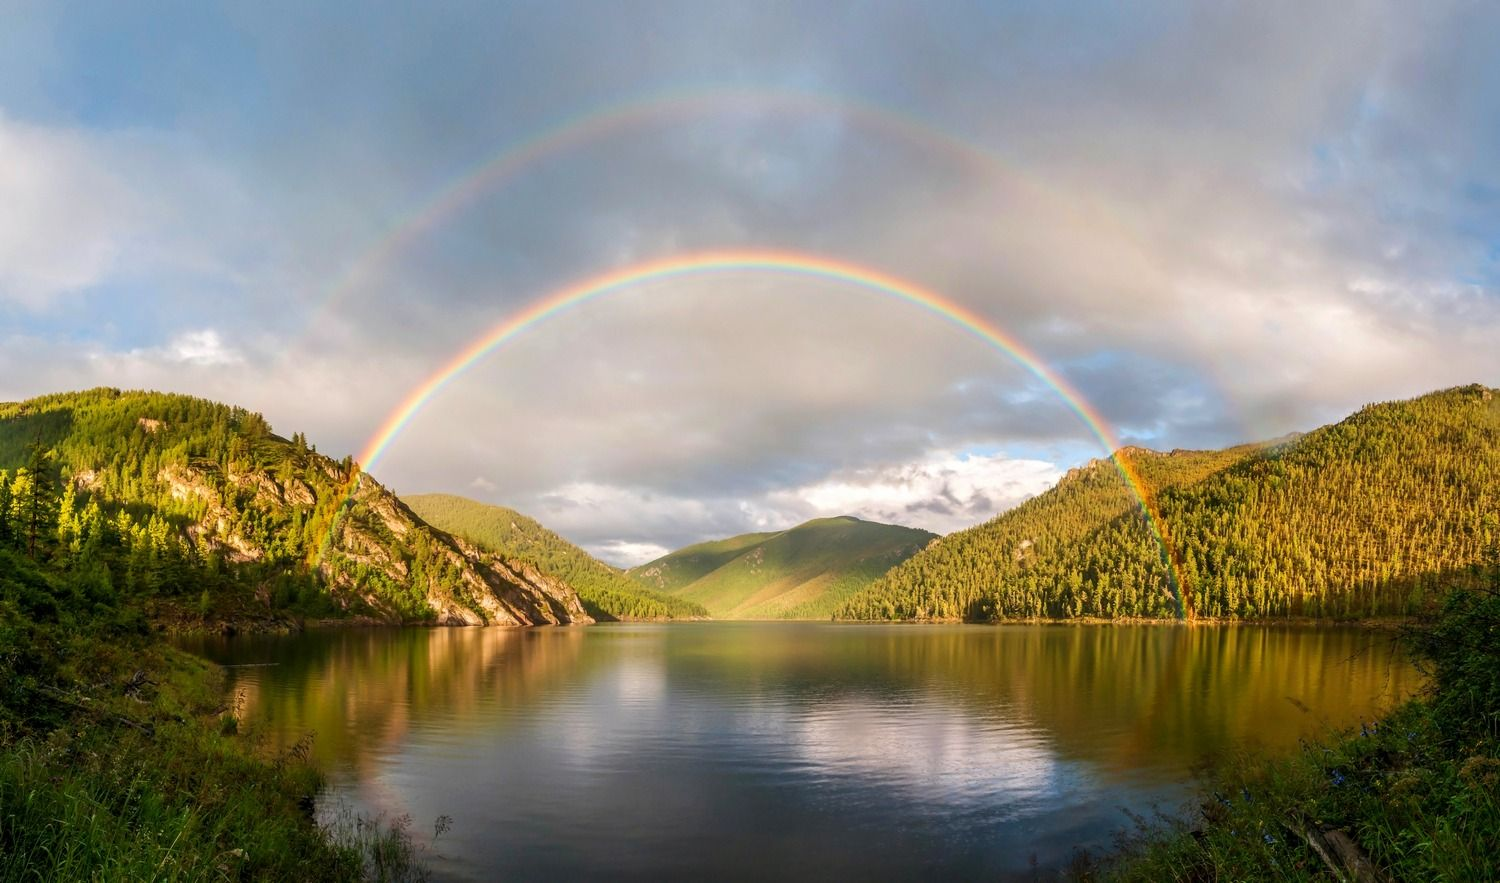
point(943, 492)
point(201, 348)
point(1218, 224)
point(132, 231)
point(67, 215)
point(624, 553)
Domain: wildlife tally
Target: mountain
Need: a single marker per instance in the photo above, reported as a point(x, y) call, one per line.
point(606, 592)
point(802, 573)
point(201, 505)
point(676, 571)
point(1366, 517)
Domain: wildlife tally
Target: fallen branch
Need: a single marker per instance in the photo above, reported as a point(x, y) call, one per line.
point(1345, 860)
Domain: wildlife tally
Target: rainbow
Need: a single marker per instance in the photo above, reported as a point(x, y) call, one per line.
point(602, 122)
point(788, 263)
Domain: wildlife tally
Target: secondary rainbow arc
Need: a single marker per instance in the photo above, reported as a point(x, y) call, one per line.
point(601, 122)
point(791, 263)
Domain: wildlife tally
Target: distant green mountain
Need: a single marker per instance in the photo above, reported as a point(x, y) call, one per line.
point(606, 592)
point(674, 572)
point(1367, 517)
point(802, 573)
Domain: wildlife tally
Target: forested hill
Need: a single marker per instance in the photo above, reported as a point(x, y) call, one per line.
point(606, 592)
point(676, 570)
point(802, 573)
point(190, 504)
point(1366, 517)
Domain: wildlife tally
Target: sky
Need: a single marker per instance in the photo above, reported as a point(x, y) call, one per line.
point(1219, 222)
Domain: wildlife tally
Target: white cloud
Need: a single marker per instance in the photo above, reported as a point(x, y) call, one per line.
point(65, 215)
point(942, 492)
point(623, 553)
point(161, 366)
point(201, 348)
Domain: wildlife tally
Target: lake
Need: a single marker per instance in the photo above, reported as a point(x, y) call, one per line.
point(799, 750)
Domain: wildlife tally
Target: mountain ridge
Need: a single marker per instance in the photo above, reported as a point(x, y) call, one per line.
point(1364, 517)
point(606, 592)
point(173, 496)
point(799, 573)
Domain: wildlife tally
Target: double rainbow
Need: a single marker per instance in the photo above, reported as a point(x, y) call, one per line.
point(791, 264)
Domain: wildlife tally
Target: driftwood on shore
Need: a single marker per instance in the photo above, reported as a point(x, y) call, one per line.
point(1344, 858)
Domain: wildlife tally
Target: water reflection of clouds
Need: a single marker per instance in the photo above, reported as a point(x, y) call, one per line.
point(919, 749)
point(615, 712)
point(641, 681)
point(930, 751)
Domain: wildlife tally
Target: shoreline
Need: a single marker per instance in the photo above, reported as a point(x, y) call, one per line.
point(181, 624)
point(1393, 622)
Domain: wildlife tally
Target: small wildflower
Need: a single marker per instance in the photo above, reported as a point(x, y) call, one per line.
point(1270, 840)
point(1337, 778)
point(1245, 792)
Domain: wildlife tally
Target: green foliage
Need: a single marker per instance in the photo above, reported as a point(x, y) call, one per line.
point(606, 592)
point(30, 511)
point(119, 759)
point(114, 485)
point(173, 497)
point(1418, 793)
point(802, 573)
point(110, 766)
point(1367, 517)
point(167, 497)
point(1461, 649)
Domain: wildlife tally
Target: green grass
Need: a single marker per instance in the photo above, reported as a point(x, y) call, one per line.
point(674, 572)
point(119, 760)
point(803, 573)
point(1417, 792)
point(152, 786)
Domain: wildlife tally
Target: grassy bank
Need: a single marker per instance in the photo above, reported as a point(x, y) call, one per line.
point(1414, 796)
point(120, 761)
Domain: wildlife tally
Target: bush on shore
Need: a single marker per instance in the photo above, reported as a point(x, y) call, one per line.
point(121, 760)
point(1414, 796)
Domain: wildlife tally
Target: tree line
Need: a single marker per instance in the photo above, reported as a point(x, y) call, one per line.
point(1367, 517)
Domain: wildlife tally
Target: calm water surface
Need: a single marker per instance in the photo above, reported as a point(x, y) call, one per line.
point(730, 750)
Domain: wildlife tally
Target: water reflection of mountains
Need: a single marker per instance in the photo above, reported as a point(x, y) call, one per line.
point(1129, 700)
point(362, 691)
